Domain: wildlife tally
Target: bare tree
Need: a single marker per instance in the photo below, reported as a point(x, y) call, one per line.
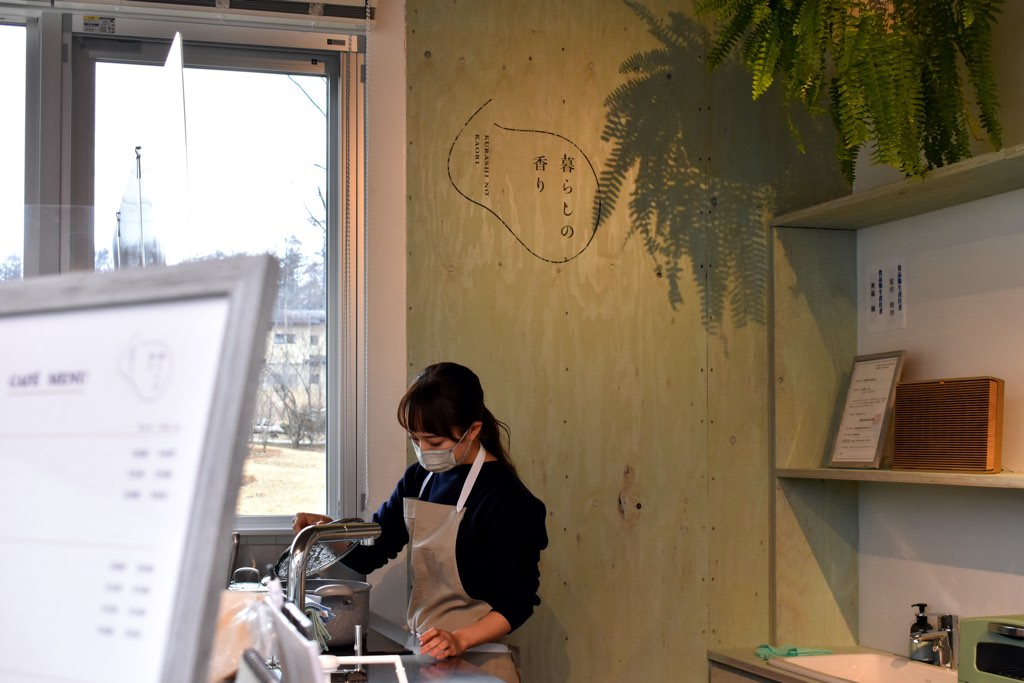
point(293, 375)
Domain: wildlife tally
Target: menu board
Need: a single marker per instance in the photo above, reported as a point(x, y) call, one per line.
point(116, 452)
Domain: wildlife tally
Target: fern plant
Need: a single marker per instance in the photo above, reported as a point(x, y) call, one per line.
point(887, 72)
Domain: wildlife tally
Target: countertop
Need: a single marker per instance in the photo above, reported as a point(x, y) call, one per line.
point(465, 669)
point(469, 668)
point(746, 660)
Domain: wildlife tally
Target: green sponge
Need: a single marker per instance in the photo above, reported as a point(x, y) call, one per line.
point(767, 651)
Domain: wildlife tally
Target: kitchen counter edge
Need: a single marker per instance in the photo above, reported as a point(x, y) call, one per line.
point(744, 659)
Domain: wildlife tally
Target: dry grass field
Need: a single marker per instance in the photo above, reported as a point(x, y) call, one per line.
point(280, 480)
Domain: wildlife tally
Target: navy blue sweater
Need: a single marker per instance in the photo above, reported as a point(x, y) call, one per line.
point(499, 541)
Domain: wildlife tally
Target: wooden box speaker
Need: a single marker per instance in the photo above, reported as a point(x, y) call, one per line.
point(948, 425)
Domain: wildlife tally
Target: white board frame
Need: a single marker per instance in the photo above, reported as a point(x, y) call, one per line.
point(249, 286)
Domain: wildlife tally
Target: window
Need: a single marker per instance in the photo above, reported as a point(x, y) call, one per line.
point(273, 144)
point(12, 150)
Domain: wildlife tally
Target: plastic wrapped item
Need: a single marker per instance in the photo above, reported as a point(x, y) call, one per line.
point(244, 621)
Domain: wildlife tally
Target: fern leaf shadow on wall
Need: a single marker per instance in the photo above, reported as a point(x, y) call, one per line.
point(652, 119)
point(695, 215)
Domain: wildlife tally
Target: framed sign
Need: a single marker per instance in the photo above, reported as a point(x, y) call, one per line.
point(125, 412)
point(867, 412)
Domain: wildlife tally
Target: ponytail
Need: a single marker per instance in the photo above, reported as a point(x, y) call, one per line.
point(447, 397)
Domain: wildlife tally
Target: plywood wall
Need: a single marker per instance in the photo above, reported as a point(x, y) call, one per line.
point(592, 240)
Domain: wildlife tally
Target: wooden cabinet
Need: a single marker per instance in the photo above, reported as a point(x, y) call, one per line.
point(815, 531)
point(718, 673)
point(742, 666)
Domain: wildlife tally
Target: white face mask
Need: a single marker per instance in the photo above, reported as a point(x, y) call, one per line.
point(440, 460)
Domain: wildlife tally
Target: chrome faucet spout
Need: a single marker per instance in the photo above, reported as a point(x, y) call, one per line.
point(950, 623)
point(335, 531)
point(941, 645)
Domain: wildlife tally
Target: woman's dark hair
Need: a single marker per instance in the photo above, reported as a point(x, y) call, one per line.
point(446, 398)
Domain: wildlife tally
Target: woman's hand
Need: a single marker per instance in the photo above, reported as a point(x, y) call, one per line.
point(304, 519)
point(440, 644)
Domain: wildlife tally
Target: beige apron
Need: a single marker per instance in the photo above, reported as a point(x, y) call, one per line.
point(438, 598)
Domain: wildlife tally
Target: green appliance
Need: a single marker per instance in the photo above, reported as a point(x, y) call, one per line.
point(991, 649)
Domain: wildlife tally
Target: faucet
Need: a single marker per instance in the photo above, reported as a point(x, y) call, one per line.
point(931, 647)
point(950, 623)
point(344, 530)
point(937, 647)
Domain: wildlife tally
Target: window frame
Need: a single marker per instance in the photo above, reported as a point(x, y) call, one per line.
point(59, 139)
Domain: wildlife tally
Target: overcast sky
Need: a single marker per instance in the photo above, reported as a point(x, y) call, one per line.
point(255, 145)
point(12, 139)
point(256, 150)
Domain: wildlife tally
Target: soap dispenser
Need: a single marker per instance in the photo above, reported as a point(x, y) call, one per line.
point(921, 650)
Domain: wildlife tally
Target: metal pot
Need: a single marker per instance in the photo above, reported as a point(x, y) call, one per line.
point(350, 603)
point(246, 580)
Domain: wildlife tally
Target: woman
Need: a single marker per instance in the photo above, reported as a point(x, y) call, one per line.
point(476, 530)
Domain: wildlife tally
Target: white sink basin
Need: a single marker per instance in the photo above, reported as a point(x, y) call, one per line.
point(864, 667)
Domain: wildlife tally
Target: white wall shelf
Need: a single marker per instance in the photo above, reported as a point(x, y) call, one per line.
point(982, 176)
point(817, 529)
point(1002, 480)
